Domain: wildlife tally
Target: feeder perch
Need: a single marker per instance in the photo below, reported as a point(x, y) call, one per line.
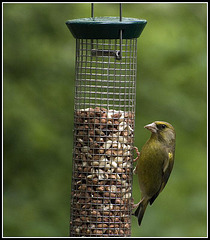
point(104, 120)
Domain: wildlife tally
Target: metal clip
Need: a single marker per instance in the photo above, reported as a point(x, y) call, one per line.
point(101, 53)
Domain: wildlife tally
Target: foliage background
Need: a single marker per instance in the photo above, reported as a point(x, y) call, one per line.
point(38, 71)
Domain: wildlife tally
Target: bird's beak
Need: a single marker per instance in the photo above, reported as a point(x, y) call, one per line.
point(151, 127)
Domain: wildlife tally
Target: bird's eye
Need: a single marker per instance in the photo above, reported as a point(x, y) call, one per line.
point(161, 126)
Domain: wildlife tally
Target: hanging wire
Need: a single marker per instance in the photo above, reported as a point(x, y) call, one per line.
point(120, 57)
point(117, 54)
point(92, 10)
point(120, 12)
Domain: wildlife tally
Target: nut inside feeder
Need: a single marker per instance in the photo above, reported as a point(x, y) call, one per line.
point(104, 120)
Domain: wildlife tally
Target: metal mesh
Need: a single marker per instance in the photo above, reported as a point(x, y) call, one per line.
point(101, 199)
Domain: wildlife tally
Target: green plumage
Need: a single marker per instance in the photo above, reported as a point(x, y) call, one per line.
point(155, 164)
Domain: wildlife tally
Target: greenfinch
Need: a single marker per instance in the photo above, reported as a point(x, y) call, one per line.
point(155, 164)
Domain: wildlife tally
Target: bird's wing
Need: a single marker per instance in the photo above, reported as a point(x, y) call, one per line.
point(167, 168)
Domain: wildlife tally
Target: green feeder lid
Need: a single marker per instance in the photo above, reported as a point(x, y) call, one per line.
point(106, 27)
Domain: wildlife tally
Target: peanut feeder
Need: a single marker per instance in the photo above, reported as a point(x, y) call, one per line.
point(104, 120)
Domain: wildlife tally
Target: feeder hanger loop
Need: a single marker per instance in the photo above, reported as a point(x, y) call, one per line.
point(117, 53)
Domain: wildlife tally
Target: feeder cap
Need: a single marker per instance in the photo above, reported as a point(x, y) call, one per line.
point(106, 27)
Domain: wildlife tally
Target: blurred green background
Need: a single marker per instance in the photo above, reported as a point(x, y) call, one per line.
point(38, 94)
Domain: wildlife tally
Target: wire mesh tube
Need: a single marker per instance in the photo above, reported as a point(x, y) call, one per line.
point(104, 114)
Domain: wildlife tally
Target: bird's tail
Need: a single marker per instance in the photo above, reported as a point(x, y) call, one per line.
point(139, 213)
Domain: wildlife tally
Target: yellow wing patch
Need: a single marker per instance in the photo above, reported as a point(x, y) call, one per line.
point(166, 164)
point(170, 156)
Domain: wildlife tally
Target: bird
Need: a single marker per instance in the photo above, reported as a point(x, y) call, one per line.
point(155, 163)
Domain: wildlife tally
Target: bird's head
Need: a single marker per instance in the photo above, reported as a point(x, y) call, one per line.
point(163, 131)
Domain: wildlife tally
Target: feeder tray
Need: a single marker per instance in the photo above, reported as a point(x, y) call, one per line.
point(104, 120)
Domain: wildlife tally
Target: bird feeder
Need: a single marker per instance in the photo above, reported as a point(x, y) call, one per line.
point(104, 120)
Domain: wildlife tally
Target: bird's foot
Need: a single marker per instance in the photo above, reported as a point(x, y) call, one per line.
point(134, 205)
point(137, 152)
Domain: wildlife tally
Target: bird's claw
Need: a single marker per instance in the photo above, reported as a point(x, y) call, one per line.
point(133, 205)
point(137, 152)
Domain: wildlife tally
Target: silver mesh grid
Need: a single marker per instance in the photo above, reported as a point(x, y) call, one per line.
point(104, 114)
